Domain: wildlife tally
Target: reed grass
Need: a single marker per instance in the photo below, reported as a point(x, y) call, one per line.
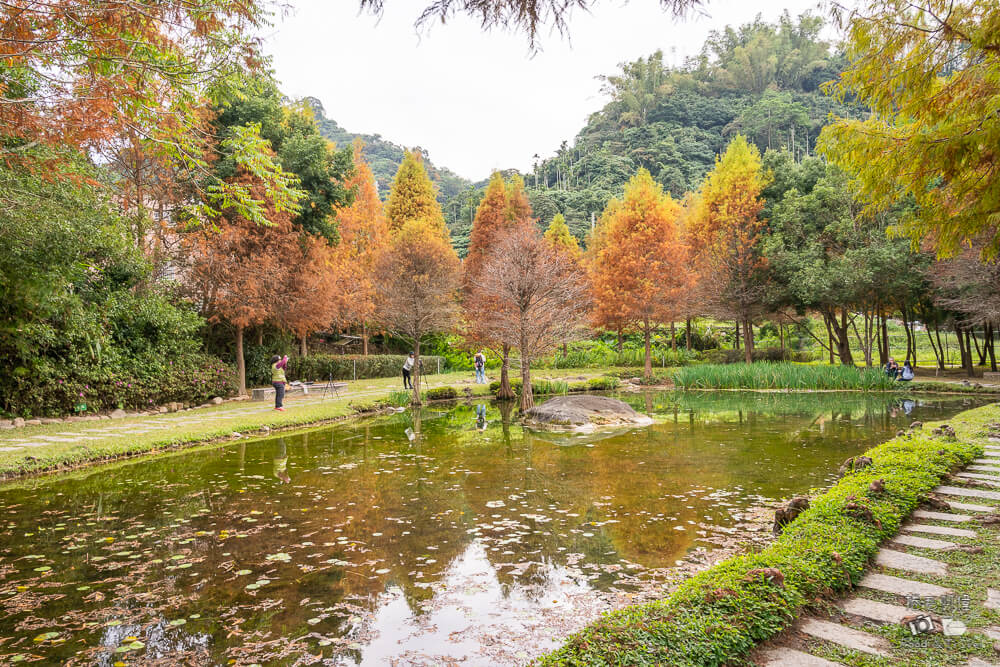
point(782, 376)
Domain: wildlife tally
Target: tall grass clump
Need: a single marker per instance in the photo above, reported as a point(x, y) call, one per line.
point(782, 376)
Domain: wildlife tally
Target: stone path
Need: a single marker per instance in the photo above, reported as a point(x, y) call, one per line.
point(894, 574)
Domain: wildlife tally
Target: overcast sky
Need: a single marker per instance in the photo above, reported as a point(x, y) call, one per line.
point(478, 101)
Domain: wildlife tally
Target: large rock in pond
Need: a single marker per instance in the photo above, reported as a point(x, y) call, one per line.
point(583, 413)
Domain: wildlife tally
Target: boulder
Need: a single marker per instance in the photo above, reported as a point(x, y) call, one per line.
point(18, 422)
point(117, 414)
point(33, 422)
point(50, 420)
point(583, 413)
point(217, 400)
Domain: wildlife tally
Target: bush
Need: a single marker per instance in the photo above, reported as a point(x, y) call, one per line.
point(782, 376)
point(604, 383)
point(318, 367)
point(399, 399)
point(56, 391)
point(441, 393)
point(538, 387)
point(600, 354)
point(719, 615)
point(773, 354)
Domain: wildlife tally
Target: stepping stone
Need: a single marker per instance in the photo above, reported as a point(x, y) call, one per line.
point(986, 461)
point(898, 560)
point(876, 611)
point(989, 480)
point(903, 587)
point(971, 508)
point(992, 599)
point(992, 632)
point(968, 493)
point(977, 662)
point(789, 657)
point(922, 542)
point(855, 640)
point(986, 468)
point(938, 530)
point(940, 516)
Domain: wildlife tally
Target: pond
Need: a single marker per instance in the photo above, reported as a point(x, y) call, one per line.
point(452, 535)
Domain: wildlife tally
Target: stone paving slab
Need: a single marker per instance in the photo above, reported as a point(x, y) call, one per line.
point(966, 507)
point(937, 530)
point(991, 632)
point(876, 611)
point(923, 542)
point(987, 461)
point(898, 560)
point(985, 468)
point(940, 516)
point(992, 599)
point(855, 640)
point(968, 493)
point(976, 662)
point(988, 480)
point(789, 657)
point(903, 587)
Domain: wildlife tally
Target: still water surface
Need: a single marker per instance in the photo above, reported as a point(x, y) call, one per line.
point(448, 536)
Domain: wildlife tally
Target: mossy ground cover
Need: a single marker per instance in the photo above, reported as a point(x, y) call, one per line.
point(719, 616)
point(210, 423)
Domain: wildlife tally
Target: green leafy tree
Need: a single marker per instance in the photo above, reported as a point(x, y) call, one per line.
point(928, 71)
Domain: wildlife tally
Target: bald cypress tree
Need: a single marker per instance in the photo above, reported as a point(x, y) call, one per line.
point(413, 196)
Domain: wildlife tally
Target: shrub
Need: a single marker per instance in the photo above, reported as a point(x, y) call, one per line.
point(441, 393)
point(575, 387)
point(782, 376)
point(140, 385)
point(772, 354)
point(399, 398)
point(719, 615)
point(603, 383)
point(538, 387)
point(318, 367)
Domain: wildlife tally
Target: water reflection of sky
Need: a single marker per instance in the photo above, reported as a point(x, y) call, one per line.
point(421, 539)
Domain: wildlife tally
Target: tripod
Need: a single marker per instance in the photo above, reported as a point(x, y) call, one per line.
point(331, 386)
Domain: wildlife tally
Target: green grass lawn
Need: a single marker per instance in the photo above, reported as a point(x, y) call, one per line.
point(209, 423)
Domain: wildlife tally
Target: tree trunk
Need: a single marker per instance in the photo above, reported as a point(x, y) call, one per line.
point(968, 361)
point(781, 339)
point(619, 340)
point(303, 346)
point(415, 378)
point(748, 340)
point(910, 353)
point(841, 334)
point(736, 339)
point(829, 336)
point(980, 352)
point(565, 350)
point(241, 364)
point(364, 339)
point(505, 393)
point(648, 370)
point(883, 356)
point(260, 335)
point(527, 395)
point(938, 356)
point(687, 334)
point(990, 339)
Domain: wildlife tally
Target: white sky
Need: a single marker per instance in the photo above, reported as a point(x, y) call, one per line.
point(478, 101)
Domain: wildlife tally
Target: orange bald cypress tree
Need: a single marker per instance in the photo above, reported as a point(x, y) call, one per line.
point(642, 268)
point(504, 207)
point(364, 233)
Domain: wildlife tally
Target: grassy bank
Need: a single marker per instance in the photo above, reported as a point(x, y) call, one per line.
point(67, 445)
point(718, 616)
point(782, 376)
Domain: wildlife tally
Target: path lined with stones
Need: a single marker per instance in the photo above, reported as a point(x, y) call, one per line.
point(894, 574)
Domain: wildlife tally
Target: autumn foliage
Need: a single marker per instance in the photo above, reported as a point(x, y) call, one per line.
point(640, 273)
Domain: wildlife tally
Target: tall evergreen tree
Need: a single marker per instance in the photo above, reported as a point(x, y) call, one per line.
point(413, 196)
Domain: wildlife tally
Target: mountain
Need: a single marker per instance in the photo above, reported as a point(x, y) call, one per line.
point(763, 80)
point(385, 156)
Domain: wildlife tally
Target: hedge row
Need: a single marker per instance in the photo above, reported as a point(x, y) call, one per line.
point(718, 616)
point(318, 367)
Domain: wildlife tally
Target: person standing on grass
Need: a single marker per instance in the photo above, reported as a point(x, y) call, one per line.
point(278, 380)
point(480, 363)
point(407, 368)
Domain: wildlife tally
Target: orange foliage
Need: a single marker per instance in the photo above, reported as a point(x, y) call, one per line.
point(640, 274)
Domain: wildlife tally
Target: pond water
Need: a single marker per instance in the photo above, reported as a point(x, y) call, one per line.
point(449, 536)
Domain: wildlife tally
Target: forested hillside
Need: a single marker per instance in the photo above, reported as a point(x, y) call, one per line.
point(762, 80)
point(385, 156)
